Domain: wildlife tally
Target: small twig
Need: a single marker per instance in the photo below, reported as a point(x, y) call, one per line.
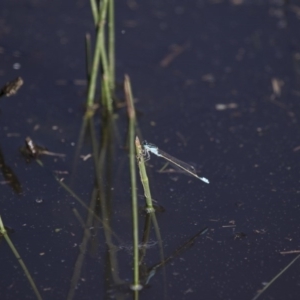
point(274, 278)
point(176, 50)
point(289, 252)
point(12, 87)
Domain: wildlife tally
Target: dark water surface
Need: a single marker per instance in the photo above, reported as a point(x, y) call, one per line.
point(229, 102)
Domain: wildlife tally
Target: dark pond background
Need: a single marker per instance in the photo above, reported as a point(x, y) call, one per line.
point(229, 102)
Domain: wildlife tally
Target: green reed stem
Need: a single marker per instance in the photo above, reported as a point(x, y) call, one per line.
point(88, 56)
point(94, 8)
point(97, 54)
point(107, 92)
point(111, 43)
point(143, 175)
point(135, 231)
point(21, 262)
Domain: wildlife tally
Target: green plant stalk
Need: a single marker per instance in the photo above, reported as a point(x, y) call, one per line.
point(95, 146)
point(107, 93)
point(94, 8)
point(143, 175)
point(111, 43)
point(97, 54)
point(135, 231)
point(88, 56)
point(136, 295)
point(107, 78)
point(17, 255)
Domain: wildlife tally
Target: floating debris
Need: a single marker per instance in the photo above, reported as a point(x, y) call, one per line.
point(277, 84)
point(210, 78)
point(175, 50)
point(32, 150)
point(12, 87)
point(223, 106)
point(239, 235)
